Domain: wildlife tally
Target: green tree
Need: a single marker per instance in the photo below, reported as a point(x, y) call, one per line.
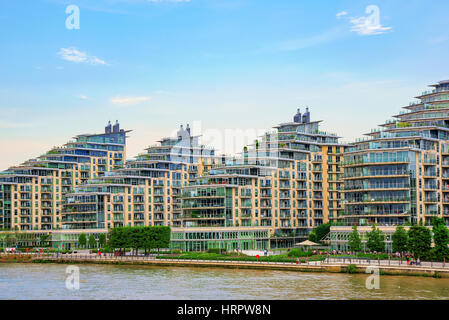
point(82, 240)
point(312, 236)
point(320, 232)
point(140, 237)
point(92, 241)
point(102, 240)
point(117, 238)
point(375, 240)
point(400, 239)
point(440, 238)
point(419, 241)
point(354, 241)
point(163, 235)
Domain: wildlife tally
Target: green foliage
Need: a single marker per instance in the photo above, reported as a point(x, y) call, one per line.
point(234, 257)
point(102, 240)
point(312, 236)
point(92, 241)
point(381, 256)
point(375, 240)
point(400, 239)
point(354, 241)
point(140, 237)
point(299, 253)
point(351, 268)
point(440, 239)
point(320, 232)
point(216, 250)
point(82, 240)
point(419, 241)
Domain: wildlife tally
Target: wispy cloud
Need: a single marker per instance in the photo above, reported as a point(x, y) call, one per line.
point(128, 101)
point(82, 97)
point(72, 54)
point(341, 14)
point(369, 25)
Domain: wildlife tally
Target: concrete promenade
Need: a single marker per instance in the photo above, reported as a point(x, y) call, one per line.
point(331, 265)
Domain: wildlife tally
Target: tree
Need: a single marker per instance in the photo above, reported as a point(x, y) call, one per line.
point(82, 240)
point(140, 237)
point(440, 238)
point(320, 232)
point(354, 242)
point(312, 236)
point(117, 238)
point(92, 241)
point(399, 238)
point(163, 235)
point(375, 240)
point(419, 241)
point(102, 240)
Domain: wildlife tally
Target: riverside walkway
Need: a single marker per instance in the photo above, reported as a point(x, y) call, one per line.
point(330, 264)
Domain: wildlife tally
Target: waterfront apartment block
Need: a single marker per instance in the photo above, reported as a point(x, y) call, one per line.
point(287, 182)
point(32, 194)
point(145, 192)
point(399, 174)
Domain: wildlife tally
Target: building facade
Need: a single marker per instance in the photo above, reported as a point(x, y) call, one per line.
point(32, 194)
point(288, 182)
point(400, 173)
point(145, 192)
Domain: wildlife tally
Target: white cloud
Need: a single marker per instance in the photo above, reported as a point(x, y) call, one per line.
point(82, 97)
point(128, 101)
point(341, 14)
point(74, 55)
point(369, 25)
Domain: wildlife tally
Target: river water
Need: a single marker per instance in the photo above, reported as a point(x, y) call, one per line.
point(48, 281)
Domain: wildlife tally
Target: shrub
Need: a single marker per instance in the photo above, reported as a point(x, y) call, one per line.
point(107, 250)
point(216, 250)
point(299, 253)
point(351, 268)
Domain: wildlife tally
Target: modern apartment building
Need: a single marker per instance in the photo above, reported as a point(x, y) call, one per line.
point(32, 194)
point(145, 192)
point(400, 173)
point(286, 183)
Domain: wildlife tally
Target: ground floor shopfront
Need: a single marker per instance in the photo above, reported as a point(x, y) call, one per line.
point(231, 238)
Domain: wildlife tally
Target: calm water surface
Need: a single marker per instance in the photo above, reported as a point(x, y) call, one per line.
point(47, 281)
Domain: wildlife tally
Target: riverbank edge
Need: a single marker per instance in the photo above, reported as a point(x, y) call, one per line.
point(330, 268)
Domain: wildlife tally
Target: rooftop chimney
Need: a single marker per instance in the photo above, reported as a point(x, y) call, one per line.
point(307, 114)
point(108, 128)
point(297, 117)
point(116, 127)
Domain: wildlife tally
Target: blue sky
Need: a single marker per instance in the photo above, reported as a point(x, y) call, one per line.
point(229, 64)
